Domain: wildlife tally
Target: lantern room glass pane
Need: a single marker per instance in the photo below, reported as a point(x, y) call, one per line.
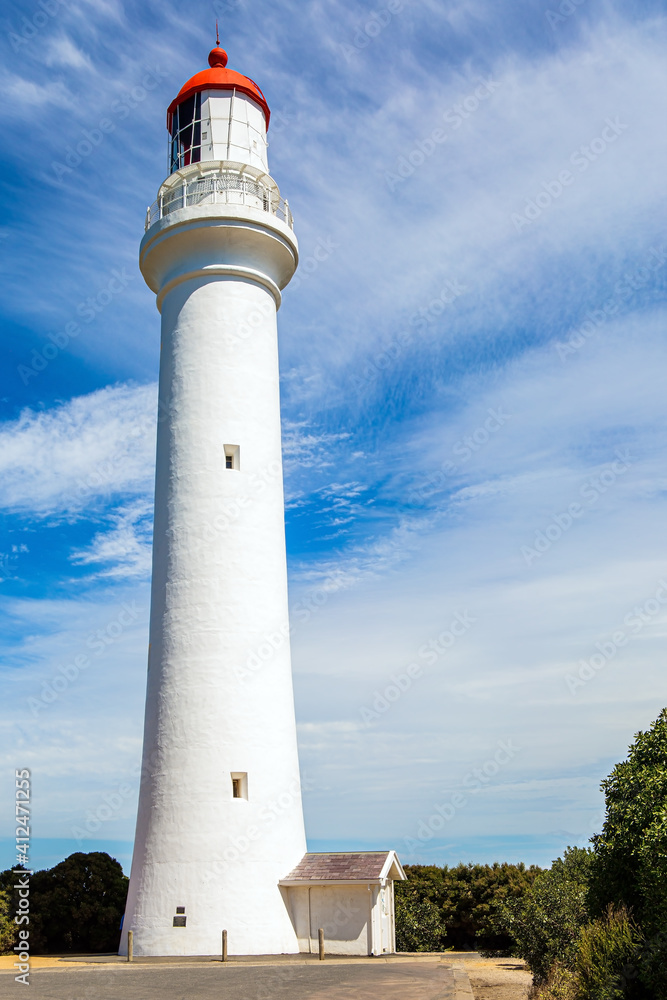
point(186, 133)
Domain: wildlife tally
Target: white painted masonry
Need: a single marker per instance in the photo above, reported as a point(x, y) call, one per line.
point(217, 271)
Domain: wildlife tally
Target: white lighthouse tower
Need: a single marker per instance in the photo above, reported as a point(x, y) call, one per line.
point(220, 818)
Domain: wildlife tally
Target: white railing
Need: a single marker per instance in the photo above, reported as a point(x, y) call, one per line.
point(227, 187)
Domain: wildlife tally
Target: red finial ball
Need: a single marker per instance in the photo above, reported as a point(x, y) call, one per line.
point(217, 57)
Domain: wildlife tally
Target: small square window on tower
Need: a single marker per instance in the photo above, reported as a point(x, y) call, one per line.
point(232, 456)
point(239, 784)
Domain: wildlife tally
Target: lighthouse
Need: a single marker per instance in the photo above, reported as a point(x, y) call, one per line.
point(220, 843)
point(220, 818)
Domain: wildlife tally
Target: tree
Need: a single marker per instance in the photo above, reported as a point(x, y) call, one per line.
point(630, 865)
point(419, 926)
point(78, 905)
point(547, 921)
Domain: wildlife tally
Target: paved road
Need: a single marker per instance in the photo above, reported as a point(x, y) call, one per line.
point(405, 981)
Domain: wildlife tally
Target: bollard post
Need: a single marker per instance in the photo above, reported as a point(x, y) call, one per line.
point(130, 946)
point(320, 939)
point(224, 946)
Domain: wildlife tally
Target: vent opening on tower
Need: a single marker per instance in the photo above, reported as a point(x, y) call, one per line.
point(239, 785)
point(232, 456)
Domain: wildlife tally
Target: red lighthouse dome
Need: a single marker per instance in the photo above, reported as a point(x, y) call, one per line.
point(218, 77)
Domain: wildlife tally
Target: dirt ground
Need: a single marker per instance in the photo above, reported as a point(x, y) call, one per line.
point(498, 978)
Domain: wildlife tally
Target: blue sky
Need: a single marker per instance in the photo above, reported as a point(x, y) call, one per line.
point(472, 360)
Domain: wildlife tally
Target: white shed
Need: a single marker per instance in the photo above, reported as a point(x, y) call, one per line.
point(350, 896)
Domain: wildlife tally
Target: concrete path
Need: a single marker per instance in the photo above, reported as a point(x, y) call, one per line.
point(399, 978)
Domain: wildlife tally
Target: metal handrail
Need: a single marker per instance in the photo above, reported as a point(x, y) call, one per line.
point(226, 187)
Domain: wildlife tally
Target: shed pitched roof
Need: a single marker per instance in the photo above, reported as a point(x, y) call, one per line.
point(357, 866)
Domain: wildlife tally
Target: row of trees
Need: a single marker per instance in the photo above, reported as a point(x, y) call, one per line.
point(594, 925)
point(75, 907)
point(458, 908)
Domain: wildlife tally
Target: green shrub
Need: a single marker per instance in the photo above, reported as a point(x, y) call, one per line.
point(560, 984)
point(469, 899)
point(547, 921)
point(607, 948)
point(8, 928)
point(419, 925)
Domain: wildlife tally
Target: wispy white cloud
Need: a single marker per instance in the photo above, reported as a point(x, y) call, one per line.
point(124, 549)
point(305, 449)
point(62, 460)
point(62, 51)
point(21, 93)
point(358, 563)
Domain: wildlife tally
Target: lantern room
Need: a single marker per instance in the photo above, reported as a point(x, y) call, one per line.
point(219, 114)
